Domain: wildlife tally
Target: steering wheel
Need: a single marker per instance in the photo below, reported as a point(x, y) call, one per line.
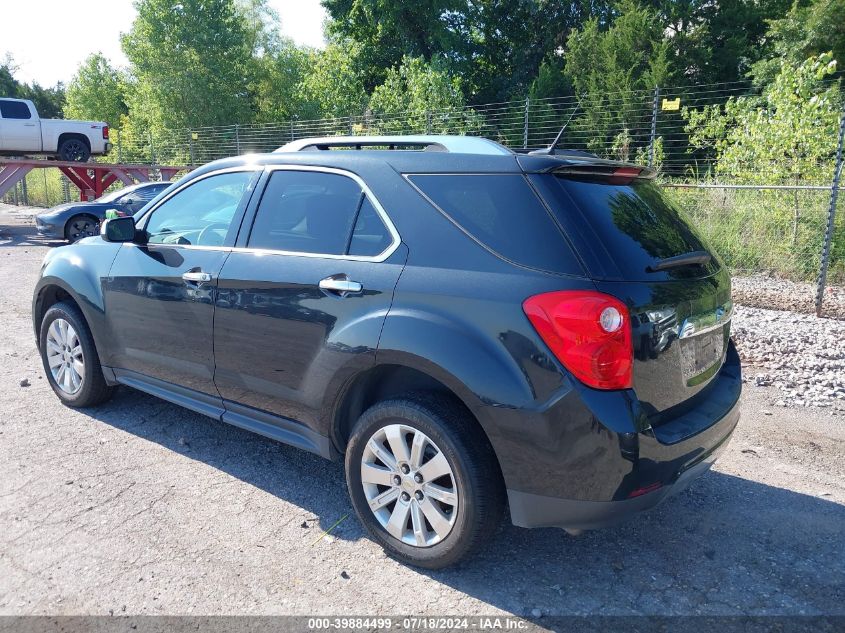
point(208, 231)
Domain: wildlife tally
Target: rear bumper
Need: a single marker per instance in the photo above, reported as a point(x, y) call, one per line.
point(531, 510)
point(622, 473)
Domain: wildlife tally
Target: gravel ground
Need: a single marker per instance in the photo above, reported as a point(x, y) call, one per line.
point(140, 507)
point(799, 358)
point(763, 291)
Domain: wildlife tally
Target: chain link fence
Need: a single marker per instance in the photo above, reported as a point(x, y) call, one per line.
point(773, 217)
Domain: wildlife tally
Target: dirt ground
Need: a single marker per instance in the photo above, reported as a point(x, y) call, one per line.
point(140, 507)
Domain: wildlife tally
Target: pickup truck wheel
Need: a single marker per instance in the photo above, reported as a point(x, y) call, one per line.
point(70, 358)
point(80, 226)
point(74, 150)
point(423, 483)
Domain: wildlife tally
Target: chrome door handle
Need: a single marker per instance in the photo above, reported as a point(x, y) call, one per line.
point(340, 285)
point(197, 277)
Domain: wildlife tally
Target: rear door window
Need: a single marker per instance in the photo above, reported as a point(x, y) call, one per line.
point(14, 110)
point(502, 212)
point(317, 213)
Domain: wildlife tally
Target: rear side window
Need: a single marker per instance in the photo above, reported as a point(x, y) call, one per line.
point(14, 110)
point(319, 213)
point(503, 213)
point(633, 221)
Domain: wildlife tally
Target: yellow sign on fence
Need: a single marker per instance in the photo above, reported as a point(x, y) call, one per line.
point(671, 104)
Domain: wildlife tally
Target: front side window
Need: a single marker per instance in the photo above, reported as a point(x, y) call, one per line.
point(319, 213)
point(14, 110)
point(201, 214)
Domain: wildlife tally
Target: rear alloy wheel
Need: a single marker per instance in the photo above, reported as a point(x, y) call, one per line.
point(411, 491)
point(424, 480)
point(80, 226)
point(74, 150)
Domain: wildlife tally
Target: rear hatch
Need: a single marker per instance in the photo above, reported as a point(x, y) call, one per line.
point(637, 247)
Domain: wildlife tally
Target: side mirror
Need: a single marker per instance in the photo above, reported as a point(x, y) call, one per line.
point(118, 229)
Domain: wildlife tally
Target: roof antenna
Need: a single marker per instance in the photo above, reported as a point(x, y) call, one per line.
point(550, 150)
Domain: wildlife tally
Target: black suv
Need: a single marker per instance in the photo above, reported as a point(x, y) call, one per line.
point(468, 327)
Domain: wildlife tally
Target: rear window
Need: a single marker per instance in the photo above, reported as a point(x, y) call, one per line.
point(502, 212)
point(634, 222)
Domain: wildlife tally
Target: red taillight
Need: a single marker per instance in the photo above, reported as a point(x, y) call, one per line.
point(588, 332)
point(106, 132)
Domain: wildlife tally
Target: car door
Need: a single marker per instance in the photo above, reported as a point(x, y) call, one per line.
point(303, 297)
point(160, 293)
point(19, 130)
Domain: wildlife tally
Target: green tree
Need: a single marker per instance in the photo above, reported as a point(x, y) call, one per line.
point(613, 71)
point(496, 46)
point(48, 101)
point(191, 63)
point(279, 91)
point(335, 82)
point(96, 92)
point(807, 30)
point(789, 129)
point(418, 97)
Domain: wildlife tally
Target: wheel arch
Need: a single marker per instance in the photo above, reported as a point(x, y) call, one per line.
point(67, 136)
point(80, 214)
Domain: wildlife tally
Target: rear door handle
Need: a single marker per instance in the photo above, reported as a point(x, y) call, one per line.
point(340, 285)
point(197, 276)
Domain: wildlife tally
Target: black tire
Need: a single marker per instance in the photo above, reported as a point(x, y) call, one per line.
point(80, 226)
point(74, 150)
point(93, 389)
point(477, 478)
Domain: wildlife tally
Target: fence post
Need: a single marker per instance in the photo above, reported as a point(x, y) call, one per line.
point(119, 148)
point(831, 216)
point(291, 129)
point(428, 122)
point(653, 126)
point(238, 139)
point(152, 149)
point(525, 124)
point(24, 192)
point(191, 147)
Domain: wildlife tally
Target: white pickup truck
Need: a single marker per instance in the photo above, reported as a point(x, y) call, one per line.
point(23, 132)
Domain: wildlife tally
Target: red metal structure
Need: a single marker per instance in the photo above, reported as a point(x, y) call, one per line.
point(92, 179)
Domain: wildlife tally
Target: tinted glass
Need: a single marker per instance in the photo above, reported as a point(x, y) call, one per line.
point(14, 110)
point(634, 222)
point(370, 237)
point(201, 214)
point(148, 193)
point(502, 212)
point(306, 212)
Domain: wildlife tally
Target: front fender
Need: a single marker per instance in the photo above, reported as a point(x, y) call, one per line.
point(77, 270)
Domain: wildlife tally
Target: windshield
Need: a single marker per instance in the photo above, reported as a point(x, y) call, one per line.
point(114, 195)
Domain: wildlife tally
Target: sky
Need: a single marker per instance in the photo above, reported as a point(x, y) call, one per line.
point(49, 38)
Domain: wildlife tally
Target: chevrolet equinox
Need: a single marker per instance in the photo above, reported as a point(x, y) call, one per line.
point(471, 329)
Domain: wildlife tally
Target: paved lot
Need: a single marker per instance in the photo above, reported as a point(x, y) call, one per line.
point(142, 507)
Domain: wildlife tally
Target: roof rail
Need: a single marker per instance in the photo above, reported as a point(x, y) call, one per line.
point(428, 143)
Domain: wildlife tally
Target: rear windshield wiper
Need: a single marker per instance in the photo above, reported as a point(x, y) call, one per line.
point(692, 258)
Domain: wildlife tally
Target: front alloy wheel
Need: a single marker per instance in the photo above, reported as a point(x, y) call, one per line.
point(81, 226)
point(65, 356)
point(409, 485)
